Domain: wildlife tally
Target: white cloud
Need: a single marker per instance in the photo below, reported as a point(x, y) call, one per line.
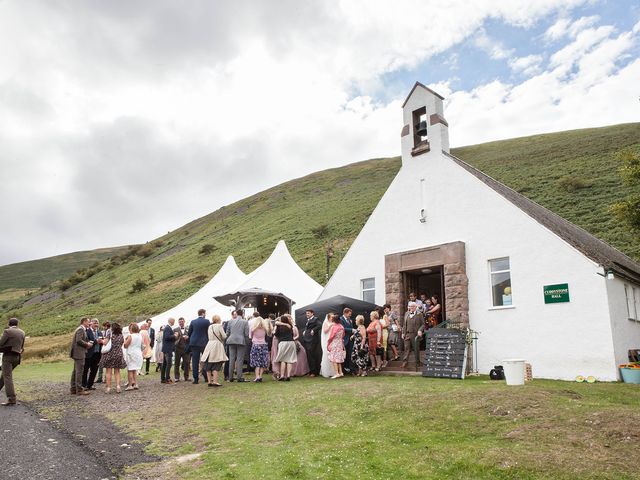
point(528, 65)
point(121, 120)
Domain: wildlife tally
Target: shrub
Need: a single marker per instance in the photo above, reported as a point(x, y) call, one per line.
point(138, 286)
point(207, 249)
point(65, 285)
point(146, 250)
point(321, 231)
point(572, 184)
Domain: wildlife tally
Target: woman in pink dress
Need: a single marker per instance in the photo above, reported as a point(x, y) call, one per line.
point(335, 346)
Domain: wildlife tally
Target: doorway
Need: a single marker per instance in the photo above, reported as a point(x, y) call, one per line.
point(426, 281)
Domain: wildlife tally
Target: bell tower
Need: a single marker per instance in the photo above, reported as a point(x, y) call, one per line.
point(425, 129)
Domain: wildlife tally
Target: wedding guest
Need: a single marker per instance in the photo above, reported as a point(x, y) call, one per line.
point(106, 327)
point(183, 356)
point(113, 360)
point(198, 337)
point(168, 349)
point(152, 343)
point(147, 351)
point(133, 346)
point(302, 365)
point(311, 342)
point(234, 315)
point(374, 337)
point(412, 321)
point(11, 347)
point(394, 329)
point(236, 341)
point(214, 355)
point(384, 324)
point(349, 326)
point(360, 352)
point(259, 355)
point(78, 351)
point(326, 368)
point(158, 349)
point(435, 311)
point(287, 355)
point(93, 355)
point(336, 346)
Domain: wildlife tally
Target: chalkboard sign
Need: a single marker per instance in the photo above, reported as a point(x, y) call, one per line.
point(445, 353)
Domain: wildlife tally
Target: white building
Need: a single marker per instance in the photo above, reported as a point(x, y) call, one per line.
point(532, 284)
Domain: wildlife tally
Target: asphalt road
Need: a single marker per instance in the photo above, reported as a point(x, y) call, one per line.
point(31, 448)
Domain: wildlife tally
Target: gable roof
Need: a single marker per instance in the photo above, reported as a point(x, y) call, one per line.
point(590, 246)
point(418, 84)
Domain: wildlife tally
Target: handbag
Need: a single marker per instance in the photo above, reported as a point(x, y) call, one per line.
point(147, 352)
point(106, 348)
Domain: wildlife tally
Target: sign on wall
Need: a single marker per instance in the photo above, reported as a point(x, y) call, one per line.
point(556, 293)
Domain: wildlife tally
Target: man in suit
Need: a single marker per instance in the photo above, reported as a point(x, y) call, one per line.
point(311, 342)
point(93, 355)
point(152, 342)
point(413, 320)
point(349, 327)
point(237, 341)
point(11, 346)
point(182, 351)
point(198, 338)
point(168, 349)
point(78, 351)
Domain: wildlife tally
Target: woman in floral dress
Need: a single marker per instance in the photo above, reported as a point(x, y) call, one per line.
point(337, 353)
point(113, 360)
point(360, 350)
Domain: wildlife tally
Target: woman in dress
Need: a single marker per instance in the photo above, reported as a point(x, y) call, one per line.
point(326, 367)
point(374, 337)
point(335, 346)
point(287, 354)
point(302, 364)
point(214, 355)
point(113, 360)
point(147, 351)
point(259, 355)
point(158, 349)
point(360, 350)
point(384, 324)
point(133, 346)
point(435, 311)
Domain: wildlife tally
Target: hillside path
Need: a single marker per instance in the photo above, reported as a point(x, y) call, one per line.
point(32, 448)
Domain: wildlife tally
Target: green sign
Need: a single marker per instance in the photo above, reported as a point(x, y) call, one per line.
point(556, 293)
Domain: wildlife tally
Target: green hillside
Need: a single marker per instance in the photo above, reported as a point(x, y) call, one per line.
point(37, 273)
point(176, 265)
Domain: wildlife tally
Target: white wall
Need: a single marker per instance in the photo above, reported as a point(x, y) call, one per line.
point(625, 332)
point(559, 340)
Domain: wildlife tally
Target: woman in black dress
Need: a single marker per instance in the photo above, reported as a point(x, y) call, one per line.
point(113, 360)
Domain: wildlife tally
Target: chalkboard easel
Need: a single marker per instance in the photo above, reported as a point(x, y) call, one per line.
point(445, 353)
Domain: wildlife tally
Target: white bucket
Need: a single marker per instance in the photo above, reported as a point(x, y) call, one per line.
point(514, 371)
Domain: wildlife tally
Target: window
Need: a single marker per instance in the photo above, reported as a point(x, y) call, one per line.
point(500, 273)
point(368, 288)
point(632, 295)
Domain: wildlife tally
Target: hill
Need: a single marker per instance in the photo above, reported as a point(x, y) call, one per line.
point(42, 272)
point(573, 173)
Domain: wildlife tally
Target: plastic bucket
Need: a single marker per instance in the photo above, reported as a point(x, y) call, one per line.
point(514, 371)
point(630, 375)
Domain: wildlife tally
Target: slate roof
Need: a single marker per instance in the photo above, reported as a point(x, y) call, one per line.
point(592, 247)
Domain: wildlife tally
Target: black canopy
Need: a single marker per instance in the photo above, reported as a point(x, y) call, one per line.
point(335, 304)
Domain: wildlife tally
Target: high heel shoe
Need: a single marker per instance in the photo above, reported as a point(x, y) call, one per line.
point(118, 389)
point(107, 390)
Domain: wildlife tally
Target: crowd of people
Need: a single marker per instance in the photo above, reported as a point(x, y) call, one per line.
point(334, 347)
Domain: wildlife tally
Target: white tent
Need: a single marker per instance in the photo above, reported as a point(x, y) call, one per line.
point(225, 280)
point(280, 273)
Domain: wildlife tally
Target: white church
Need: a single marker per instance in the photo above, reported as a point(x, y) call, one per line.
point(532, 284)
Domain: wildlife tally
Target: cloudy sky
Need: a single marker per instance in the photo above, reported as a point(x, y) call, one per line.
point(120, 120)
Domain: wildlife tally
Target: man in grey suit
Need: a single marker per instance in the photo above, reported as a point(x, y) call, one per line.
point(238, 329)
point(11, 346)
point(182, 352)
point(78, 351)
point(413, 320)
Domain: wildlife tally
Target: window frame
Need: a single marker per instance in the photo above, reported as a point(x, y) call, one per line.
point(363, 290)
point(632, 298)
point(491, 273)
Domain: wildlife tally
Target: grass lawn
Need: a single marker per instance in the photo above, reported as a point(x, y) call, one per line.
point(378, 427)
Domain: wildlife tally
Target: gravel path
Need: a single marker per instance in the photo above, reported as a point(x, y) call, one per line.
point(33, 448)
